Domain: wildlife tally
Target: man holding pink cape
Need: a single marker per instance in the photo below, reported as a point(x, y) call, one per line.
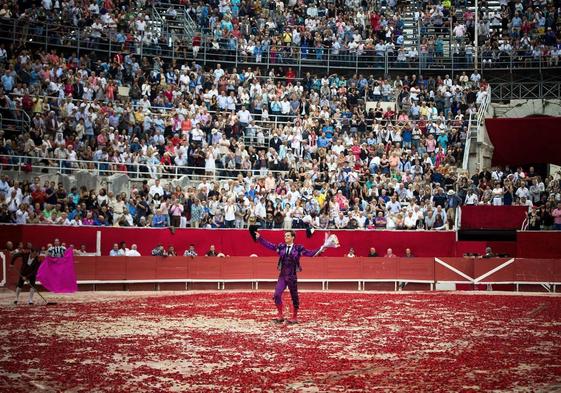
point(57, 274)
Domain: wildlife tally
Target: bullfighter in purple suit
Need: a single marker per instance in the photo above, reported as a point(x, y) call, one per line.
point(288, 266)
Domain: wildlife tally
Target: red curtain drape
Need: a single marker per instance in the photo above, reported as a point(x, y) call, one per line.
point(527, 140)
point(538, 244)
point(493, 217)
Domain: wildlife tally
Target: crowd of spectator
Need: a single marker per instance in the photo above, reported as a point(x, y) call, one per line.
point(519, 33)
point(299, 152)
point(283, 151)
point(326, 145)
point(222, 121)
point(418, 200)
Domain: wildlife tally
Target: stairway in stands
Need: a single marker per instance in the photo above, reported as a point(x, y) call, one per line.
point(411, 29)
point(175, 20)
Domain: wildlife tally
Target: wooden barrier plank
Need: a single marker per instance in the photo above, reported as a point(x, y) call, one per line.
point(314, 267)
point(556, 271)
point(110, 268)
point(344, 268)
point(484, 266)
point(266, 268)
point(322, 269)
point(201, 268)
point(84, 268)
point(235, 267)
point(141, 268)
point(379, 268)
point(448, 269)
point(415, 269)
point(172, 267)
point(534, 270)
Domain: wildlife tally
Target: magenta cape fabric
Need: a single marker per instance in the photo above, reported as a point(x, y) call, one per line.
point(57, 274)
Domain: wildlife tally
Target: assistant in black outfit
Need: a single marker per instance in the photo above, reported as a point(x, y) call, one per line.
point(28, 270)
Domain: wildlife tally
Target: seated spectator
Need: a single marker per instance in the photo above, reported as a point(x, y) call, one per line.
point(81, 251)
point(390, 254)
point(212, 251)
point(115, 251)
point(159, 220)
point(123, 248)
point(557, 217)
point(133, 251)
point(351, 253)
point(159, 251)
point(408, 253)
point(171, 252)
point(372, 253)
point(190, 252)
point(488, 253)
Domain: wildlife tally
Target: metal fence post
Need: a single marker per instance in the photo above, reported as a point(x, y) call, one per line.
point(205, 43)
point(386, 63)
point(451, 48)
point(419, 43)
point(109, 36)
point(78, 42)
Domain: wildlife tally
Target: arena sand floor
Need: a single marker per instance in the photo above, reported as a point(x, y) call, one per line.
point(225, 341)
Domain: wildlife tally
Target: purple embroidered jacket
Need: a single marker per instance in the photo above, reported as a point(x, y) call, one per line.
point(288, 264)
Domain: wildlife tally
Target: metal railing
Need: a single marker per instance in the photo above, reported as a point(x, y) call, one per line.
point(14, 119)
point(475, 127)
point(135, 171)
point(505, 91)
point(179, 46)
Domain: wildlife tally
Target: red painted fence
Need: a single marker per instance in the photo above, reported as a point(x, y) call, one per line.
point(353, 269)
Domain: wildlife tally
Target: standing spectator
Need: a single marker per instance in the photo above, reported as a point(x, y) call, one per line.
point(56, 250)
point(176, 211)
point(452, 203)
point(557, 217)
point(156, 189)
point(197, 212)
point(230, 214)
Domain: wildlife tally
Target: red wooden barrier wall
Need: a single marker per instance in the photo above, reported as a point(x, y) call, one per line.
point(359, 269)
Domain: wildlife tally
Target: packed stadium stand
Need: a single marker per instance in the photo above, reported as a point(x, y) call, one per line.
point(288, 114)
point(166, 165)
